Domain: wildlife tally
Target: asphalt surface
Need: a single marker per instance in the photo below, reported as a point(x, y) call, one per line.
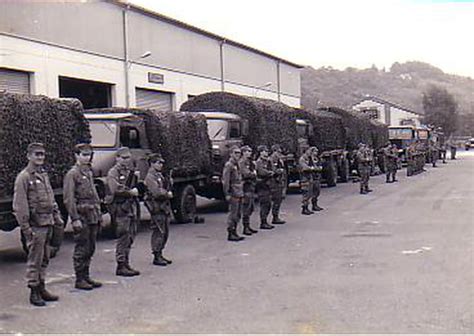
point(399, 260)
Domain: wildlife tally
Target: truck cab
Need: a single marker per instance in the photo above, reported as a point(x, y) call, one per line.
point(402, 136)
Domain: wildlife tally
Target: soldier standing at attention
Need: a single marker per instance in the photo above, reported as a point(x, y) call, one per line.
point(316, 181)
point(83, 205)
point(249, 175)
point(390, 163)
point(363, 159)
point(234, 192)
point(434, 153)
point(453, 148)
point(264, 176)
point(278, 183)
point(36, 212)
point(157, 201)
point(121, 182)
point(306, 180)
point(394, 162)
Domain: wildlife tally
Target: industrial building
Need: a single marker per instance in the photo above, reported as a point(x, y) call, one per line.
point(112, 53)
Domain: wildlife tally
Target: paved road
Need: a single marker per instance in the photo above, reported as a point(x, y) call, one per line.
point(399, 260)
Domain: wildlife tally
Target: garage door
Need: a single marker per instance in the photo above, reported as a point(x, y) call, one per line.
point(159, 100)
point(14, 81)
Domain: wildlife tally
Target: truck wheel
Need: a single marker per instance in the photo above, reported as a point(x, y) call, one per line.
point(331, 174)
point(344, 171)
point(185, 204)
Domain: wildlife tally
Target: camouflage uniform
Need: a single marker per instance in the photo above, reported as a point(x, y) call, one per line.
point(390, 157)
point(83, 204)
point(123, 207)
point(264, 177)
point(36, 211)
point(316, 180)
point(306, 180)
point(277, 184)
point(363, 160)
point(411, 155)
point(157, 201)
point(249, 176)
point(233, 188)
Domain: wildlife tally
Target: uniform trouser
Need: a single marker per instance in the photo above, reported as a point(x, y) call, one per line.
point(316, 191)
point(126, 231)
point(160, 223)
point(84, 249)
point(264, 198)
point(38, 255)
point(305, 193)
point(235, 213)
point(277, 199)
point(453, 153)
point(247, 207)
point(364, 172)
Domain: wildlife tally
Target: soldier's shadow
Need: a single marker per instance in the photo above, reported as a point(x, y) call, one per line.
point(12, 255)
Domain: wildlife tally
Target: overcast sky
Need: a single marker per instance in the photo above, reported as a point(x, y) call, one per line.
point(339, 33)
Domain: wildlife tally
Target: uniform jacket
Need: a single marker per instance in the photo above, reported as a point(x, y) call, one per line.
point(249, 174)
point(117, 177)
point(317, 168)
point(33, 199)
point(264, 173)
point(232, 179)
point(80, 195)
point(157, 199)
point(277, 167)
point(306, 169)
point(363, 157)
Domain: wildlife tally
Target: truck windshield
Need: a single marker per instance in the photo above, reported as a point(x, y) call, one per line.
point(400, 133)
point(217, 129)
point(103, 133)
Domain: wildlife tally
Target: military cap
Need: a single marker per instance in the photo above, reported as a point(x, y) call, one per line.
point(246, 148)
point(35, 146)
point(123, 151)
point(262, 148)
point(276, 147)
point(83, 147)
point(234, 147)
point(154, 157)
point(314, 148)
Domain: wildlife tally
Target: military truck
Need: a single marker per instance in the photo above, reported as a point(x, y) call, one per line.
point(402, 136)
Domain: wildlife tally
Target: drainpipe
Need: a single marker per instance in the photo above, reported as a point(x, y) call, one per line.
point(278, 80)
point(221, 51)
point(125, 55)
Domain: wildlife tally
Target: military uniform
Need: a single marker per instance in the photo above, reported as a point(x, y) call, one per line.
point(277, 184)
point(316, 182)
point(306, 180)
point(264, 183)
point(391, 161)
point(411, 164)
point(36, 211)
point(249, 176)
point(157, 201)
point(233, 188)
point(453, 149)
point(123, 207)
point(364, 162)
point(83, 204)
point(434, 154)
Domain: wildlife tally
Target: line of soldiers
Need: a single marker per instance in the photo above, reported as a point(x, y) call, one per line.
point(38, 214)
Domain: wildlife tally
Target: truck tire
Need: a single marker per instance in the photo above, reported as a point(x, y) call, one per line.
point(184, 204)
point(331, 174)
point(344, 171)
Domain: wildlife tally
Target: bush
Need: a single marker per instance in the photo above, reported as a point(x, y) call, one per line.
point(58, 123)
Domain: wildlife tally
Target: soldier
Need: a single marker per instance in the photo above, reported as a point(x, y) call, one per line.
point(249, 176)
point(83, 205)
point(306, 169)
point(443, 148)
point(363, 159)
point(278, 183)
point(234, 192)
point(36, 212)
point(390, 157)
point(316, 181)
point(410, 156)
point(395, 161)
point(264, 177)
point(122, 194)
point(434, 153)
point(157, 201)
point(453, 149)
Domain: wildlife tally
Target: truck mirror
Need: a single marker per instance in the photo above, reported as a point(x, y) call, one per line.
point(245, 127)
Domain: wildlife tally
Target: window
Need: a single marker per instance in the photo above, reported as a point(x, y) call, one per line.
point(130, 137)
point(234, 130)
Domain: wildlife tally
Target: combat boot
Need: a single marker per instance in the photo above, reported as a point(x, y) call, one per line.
point(134, 271)
point(247, 231)
point(158, 260)
point(265, 226)
point(122, 270)
point(277, 220)
point(168, 261)
point(367, 190)
point(93, 283)
point(233, 236)
point(45, 295)
point(306, 211)
point(363, 192)
point(316, 207)
point(81, 283)
point(35, 297)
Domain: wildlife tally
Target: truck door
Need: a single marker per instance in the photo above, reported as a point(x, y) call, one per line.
point(132, 135)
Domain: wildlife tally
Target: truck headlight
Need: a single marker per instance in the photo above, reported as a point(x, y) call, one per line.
point(216, 150)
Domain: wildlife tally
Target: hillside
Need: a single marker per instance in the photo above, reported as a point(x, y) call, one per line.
point(402, 84)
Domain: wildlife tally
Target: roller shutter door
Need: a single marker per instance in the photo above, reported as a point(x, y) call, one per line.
point(14, 81)
point(159, 100)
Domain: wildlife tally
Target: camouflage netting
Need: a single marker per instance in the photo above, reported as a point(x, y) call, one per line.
point(379, 134)
point(270, 122)
point(181, 138)
point(328, 129)
point(58, 123)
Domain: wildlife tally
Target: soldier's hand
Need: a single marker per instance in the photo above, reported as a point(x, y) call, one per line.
point(134, 192)
point(28, 233)
point(76, 226)
point(170, 194)
point(228, 198)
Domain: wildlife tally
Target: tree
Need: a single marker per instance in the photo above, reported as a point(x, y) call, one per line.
point(440, 109)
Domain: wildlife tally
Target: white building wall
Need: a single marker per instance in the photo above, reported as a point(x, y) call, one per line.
point(397, 115)
point(372, 104)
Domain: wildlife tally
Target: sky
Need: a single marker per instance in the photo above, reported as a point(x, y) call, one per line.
point(339, 33)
